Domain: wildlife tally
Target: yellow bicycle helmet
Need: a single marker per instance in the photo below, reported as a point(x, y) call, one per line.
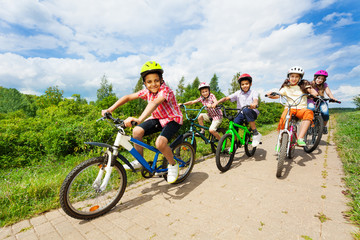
point(151, 67)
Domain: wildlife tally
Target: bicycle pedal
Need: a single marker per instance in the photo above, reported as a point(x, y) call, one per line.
point(159, 174)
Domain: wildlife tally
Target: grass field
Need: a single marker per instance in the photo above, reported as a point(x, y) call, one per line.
point(347, 138)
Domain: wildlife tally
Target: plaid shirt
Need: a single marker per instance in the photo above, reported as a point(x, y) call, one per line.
point(214, 113)
point(168, 110)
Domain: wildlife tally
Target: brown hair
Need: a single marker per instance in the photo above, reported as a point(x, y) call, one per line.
point(321, 87)
point(303, 84)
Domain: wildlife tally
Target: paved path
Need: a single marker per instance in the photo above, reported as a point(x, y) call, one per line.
point(247, 202)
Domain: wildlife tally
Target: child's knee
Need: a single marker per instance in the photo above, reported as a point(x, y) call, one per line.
point(161, 142)
point(138, 132)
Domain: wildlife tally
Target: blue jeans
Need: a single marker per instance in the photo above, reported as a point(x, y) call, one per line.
point(323, 108)
point(248, 115)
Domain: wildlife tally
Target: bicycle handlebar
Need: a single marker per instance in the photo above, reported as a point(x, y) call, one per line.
point(108, 115)
point(324, 99)
point(286, 98)
point(233, 109)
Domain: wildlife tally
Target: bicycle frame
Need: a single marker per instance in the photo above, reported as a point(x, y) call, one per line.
point(125, 141)
point(193, 126)
point(233, 131)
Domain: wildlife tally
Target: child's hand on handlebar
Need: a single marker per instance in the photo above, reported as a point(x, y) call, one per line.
point(104, 111)
point(253, 106)
point(129, 121)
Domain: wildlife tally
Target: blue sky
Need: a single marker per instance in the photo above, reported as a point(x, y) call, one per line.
point(72, 44)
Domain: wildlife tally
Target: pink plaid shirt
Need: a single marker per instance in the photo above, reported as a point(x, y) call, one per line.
point(168, 110)
point(214, 113)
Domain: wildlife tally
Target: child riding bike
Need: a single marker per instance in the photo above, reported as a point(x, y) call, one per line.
point(244, 97)
point(165, 115)
point(207, 99)
point(294, 86)
point(321, 87)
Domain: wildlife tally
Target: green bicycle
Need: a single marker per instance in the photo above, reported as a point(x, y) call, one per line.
point(227, 146)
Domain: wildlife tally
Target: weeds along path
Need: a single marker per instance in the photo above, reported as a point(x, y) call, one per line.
point(246, 202)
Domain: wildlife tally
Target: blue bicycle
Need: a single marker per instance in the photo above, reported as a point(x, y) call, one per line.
point(194, 132)
point(96, 185)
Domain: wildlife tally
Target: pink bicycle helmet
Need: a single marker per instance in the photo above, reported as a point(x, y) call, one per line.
point(321, 73)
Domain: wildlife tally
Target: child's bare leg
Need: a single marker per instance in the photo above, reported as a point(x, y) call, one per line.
point(325, 122)
point(138, 133)
point(201, 120)
point(215, 133)
point(252, 125)
point(304, 127)
point(162, 144)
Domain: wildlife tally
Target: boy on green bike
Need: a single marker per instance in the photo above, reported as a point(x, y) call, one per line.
point(207, 99)
point(165, 116)
point(244, 97)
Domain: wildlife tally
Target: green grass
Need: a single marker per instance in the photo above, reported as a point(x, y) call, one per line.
point(347, 138)
point(26, 192)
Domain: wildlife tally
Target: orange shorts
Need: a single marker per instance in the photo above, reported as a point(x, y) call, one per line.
point(304, 114)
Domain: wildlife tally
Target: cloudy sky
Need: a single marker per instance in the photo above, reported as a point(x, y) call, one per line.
point(72, 44)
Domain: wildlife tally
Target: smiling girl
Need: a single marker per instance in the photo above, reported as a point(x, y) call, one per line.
point(294, 87)
point(165, 115)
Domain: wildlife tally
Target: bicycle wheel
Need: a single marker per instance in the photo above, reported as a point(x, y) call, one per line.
point(313, 135)
point(188, 137)
point(185, 152)
point(249, 149)
point(223, 158)
point(213, 140)
point(80, 193)
point(282, 154)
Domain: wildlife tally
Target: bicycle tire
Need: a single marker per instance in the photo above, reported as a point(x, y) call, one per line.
point(282, 154)
point(187, 138)
point(80, 199)
point(186, 153)
point(249, 149)
point(213, 139)
point(223, 158)
point(313, 134)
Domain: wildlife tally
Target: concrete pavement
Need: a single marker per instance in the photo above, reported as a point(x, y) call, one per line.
point(246, 202)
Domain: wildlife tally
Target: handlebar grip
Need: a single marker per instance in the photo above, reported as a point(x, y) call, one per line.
point(134, 123)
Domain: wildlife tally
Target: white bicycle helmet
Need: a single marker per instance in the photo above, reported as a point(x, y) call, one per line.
point(203, 85)
point(296, 69)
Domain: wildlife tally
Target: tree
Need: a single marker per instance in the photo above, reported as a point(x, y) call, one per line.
point(214, 84)
point(181, 88)
point(105, 89)
point(214, 87)
point(356, 101)
point(12, 100)
point(234, 84)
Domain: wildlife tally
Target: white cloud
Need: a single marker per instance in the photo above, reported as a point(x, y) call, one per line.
point(340, 19)
point(187, 37)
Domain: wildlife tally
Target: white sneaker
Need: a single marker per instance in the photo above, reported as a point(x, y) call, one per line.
point(256, 140)
point(173, 173)
point(136, 165)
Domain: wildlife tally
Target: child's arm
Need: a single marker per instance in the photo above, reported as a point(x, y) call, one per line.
point(188, 103)
point(120, 102)
point(254, 104)
point(329, 93)
point(220, 101)
point(152, 105)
